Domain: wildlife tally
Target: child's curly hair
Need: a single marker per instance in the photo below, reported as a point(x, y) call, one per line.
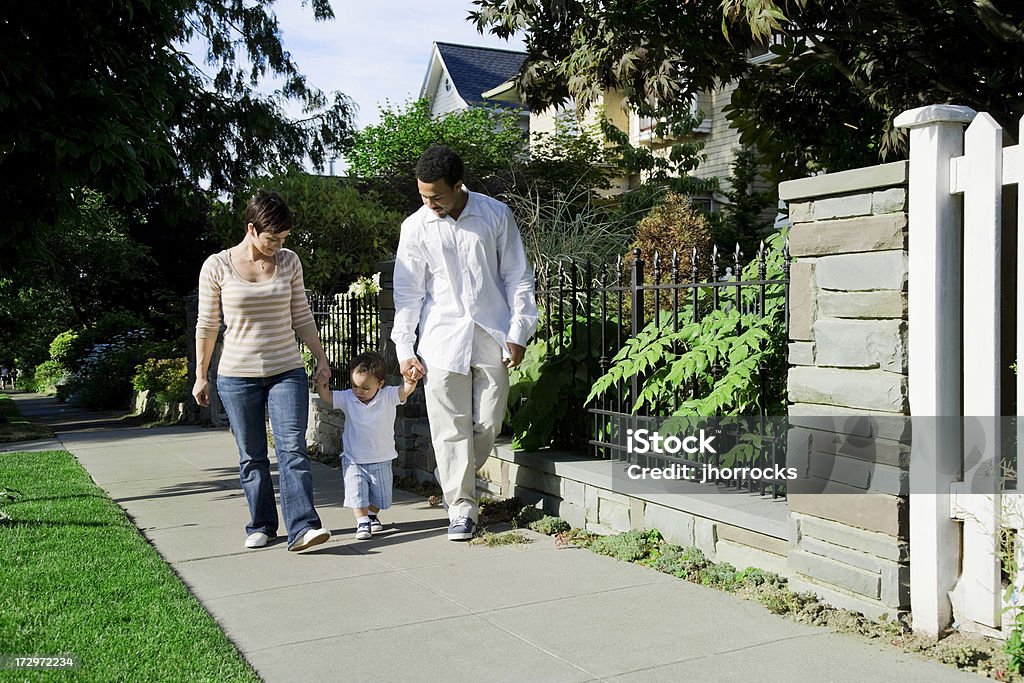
point(369, 363)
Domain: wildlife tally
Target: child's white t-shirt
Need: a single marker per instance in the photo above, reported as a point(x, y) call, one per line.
point(369, 434)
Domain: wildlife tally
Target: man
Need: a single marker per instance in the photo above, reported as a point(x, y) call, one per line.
point(462, 276)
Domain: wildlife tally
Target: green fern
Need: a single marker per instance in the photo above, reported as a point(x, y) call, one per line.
point(737, 344)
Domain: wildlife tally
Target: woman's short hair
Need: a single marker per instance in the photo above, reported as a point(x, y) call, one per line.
point(440, 161)
point(369, 363)
point(268, 213)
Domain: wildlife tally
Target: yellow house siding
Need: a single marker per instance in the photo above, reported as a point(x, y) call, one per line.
point(722, 142)
point(543, 122)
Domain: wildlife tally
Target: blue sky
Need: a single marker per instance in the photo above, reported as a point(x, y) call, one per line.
point(376, 50)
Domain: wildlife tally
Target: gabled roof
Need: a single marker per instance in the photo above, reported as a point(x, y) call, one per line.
point(474, 70)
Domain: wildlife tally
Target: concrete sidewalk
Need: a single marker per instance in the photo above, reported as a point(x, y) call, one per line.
point(411, 606)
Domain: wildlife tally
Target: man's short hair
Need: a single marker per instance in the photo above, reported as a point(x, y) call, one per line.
point(440, 161)
point(268, 213)
point(369, 363)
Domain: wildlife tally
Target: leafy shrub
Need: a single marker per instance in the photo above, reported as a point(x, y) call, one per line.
point(104, 378)
point(488, 139)
point(62, 347)
point(684, 563)
point(742, 220)
point(167, 378)
point(780, 600)
point(569, 160)
point(675, 225)
point(549, 525)
point(26, 380)
point(631, 546)
point(47, 376)
point(549, 388)
point(527, 516)
point(720, 575)
point(108, 326)
point(741, 343)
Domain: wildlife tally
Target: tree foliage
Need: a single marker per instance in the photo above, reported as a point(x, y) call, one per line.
point(100, 94)
point(489, 140)
point(569, 159)
point(657, 53)
point(676, 350)
point(339, 234)
point(842, 69)
point(742, 221)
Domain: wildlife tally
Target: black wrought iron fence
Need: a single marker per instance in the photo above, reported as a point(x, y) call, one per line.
point(348, 325)
point(590, 312)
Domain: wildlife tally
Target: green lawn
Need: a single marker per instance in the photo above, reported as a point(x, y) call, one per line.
point(76, 577)
point(13, 427)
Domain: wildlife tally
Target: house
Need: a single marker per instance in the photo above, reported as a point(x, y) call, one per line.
point(721, 141)
point(462, 76)
point(458, 75)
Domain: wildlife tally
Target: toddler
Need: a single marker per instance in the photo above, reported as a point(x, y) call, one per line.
point(368, 440)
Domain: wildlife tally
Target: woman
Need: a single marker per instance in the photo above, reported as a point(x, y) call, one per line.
point(258, 285)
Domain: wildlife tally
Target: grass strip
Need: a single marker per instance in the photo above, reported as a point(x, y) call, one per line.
point(14, 427)
point(78, 578)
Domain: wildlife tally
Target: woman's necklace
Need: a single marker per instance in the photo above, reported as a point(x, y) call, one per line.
point(262, 262)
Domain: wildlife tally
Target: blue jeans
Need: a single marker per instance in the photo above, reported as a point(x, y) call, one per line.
point(246, 401)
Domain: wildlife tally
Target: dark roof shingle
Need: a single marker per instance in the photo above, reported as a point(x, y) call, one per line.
point(475, 70)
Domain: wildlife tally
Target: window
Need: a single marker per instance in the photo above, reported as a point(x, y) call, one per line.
point(648, 124)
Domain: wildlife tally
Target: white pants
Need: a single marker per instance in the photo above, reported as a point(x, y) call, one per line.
point(465, 413)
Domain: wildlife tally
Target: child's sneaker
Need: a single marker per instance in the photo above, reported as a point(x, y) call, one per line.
point(364, 531)
point(375, 525)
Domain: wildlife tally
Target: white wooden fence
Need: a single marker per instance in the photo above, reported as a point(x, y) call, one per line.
point(956, 286)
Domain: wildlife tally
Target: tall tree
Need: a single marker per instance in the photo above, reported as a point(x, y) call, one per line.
point(658, 52)
point(340, 233)
point(101, 94)
point(489, 140)
point(842, 69)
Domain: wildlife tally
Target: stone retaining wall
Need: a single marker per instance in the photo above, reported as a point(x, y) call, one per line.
point(848, 386)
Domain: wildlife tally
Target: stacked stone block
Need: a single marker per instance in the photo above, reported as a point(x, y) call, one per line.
point(325, 427)
point(848, 387)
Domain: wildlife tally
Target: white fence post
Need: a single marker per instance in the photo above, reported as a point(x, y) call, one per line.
point(977, 496)
point(934, 307)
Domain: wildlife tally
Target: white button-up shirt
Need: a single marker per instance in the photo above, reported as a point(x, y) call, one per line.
point(453, 275)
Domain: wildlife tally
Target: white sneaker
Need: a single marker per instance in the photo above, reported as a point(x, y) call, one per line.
point(309, 539)
point(256, 540)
